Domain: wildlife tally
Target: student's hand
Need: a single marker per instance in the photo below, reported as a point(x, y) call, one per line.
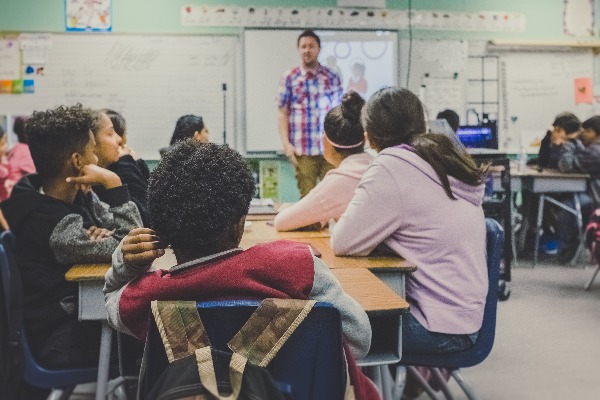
point(92, 174)
point(140, 248)
point(128, 151)
point(290, 153)
point(558, 137)
point(99, 233)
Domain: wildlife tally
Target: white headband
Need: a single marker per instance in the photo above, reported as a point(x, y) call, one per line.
point(339, 146)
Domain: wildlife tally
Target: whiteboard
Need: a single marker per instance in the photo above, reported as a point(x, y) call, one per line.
point(534, 88)
point(152, 80)
point(268, 54)
point(437, 74)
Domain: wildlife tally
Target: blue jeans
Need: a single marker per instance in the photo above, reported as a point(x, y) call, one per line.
point(418, 340)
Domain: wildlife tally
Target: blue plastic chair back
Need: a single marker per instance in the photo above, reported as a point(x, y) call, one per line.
point(35, 374)
point(485, 341)
point(311, 361)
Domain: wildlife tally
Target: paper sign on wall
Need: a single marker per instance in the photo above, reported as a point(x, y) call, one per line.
point(583, 90)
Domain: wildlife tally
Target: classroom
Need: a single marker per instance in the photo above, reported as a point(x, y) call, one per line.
point(505, 92)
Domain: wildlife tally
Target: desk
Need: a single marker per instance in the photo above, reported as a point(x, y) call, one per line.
point(383, 306)
point(547, 182)
point(261, 232)
point(90, 279)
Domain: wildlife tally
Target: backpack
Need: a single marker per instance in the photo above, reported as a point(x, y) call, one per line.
point(11, 319)
point(196, 370)
point(592, 235)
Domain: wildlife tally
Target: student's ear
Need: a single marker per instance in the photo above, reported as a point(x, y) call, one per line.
point(76, 161)
point(197, 136)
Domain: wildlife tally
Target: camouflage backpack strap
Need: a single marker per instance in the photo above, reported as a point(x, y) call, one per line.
point(268, 328)
point(183, 334)
point(180, 328)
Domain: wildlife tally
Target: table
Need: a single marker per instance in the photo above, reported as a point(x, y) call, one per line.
point(383, 306)
point(90, 279)
point(547, 182)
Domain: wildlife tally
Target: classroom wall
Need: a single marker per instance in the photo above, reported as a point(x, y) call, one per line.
point(543, 23)
point(544, 17)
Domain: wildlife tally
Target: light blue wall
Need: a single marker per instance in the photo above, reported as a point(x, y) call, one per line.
point(543, 22)
point(544, 17)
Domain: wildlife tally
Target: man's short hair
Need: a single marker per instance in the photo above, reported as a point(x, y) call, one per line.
point(308, 33)
point(567, 121)
point(55, 134)
point(197, 191)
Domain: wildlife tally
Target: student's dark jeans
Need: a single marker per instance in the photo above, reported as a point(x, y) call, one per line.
point(416, 339)
point(567, 223)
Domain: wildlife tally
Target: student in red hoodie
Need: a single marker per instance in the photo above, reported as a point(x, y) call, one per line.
point(198, 198)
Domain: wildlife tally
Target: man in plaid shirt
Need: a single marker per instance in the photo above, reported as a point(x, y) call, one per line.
point(305, 95)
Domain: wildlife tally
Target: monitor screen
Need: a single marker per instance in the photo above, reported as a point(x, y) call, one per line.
point(476, 136)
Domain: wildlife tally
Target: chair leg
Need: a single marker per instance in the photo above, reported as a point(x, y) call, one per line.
point(399, 382)
point(437, 375)
point(428, 389)
point(589, 284)
point(464, 385)
point(61, 394)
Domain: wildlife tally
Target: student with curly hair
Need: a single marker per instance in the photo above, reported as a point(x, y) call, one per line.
point(199, 195)
point(343, 147)
point(59, 221)
point(187, 127)
point(421, 198)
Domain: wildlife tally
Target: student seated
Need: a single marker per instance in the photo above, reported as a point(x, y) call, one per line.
point(565, 128)
point(59, 221)
point(579, 155)
point(187, 127)
point(112, 157)
point(343, 147)
point(198, 198)
point(120, 127)
point(19, 157)
point(5, 182)
point(451, 117)
point(421, 198)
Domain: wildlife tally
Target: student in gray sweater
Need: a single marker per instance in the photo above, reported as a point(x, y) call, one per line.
point(580, 155)
point(59, 221)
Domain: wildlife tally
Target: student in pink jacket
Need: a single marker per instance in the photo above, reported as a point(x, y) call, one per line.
point(421, 198)
point(19, 157)
point(343, 147)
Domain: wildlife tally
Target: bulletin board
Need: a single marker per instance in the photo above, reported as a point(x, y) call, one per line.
point(152, 80)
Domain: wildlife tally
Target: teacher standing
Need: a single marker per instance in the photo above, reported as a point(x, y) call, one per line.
point(305, 95)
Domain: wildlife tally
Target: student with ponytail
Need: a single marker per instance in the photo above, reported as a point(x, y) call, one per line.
point(343, 145)
point(421, 198)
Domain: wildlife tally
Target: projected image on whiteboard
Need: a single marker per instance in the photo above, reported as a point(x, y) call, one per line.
point(365, 60)
point(365, 64)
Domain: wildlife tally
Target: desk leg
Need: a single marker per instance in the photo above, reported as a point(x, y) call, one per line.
point(579, 218)
point(538, 227)
point(104, 361)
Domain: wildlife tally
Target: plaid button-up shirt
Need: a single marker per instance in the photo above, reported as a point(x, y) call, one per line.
point(307, 97)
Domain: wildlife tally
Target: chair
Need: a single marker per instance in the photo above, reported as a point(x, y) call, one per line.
point(311, 361)
point(480, 350)
point(61, 381)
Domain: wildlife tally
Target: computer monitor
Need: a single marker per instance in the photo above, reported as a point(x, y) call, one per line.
point(478, 136)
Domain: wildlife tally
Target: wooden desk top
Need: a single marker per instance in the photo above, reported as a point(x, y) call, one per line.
point(547, 173)
point(260, 232)
point(373, 264)
point(86, 272)
point(369, 291)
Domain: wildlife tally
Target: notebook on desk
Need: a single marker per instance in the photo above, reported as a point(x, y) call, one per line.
point(262, 207)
